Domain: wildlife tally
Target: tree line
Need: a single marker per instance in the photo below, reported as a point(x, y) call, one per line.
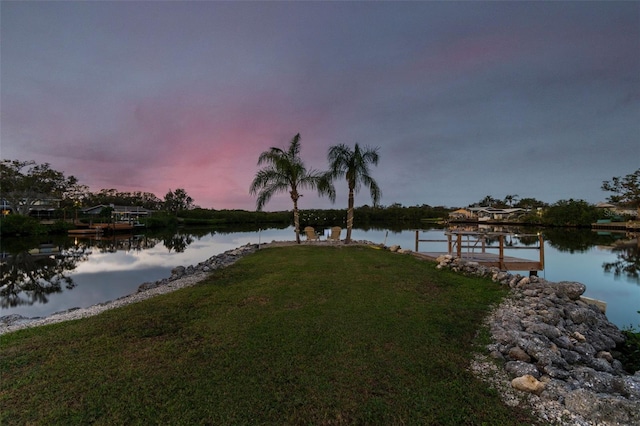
point(24, 184)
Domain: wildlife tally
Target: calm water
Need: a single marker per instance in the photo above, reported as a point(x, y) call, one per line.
point(97, 271)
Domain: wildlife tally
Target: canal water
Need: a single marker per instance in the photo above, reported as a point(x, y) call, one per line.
point(44, 277)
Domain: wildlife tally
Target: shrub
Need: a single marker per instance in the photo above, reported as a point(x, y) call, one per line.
point(59, 226)
point(629, 351)
point(15, 224)
point(160, 220)
point(571, 213)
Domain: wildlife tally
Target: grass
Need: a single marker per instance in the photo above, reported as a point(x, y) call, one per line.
point(291, 335)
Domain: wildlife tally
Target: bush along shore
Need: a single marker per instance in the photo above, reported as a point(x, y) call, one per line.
point(551, 351)
point(556, 348)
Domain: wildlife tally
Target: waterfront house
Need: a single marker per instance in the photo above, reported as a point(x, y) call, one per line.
point(461, 214)
point(126, 214)
point(42, 208)
point(616, 211)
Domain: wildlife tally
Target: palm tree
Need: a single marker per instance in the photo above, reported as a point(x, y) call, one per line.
point(285, 171)
point(510, 199)
point(487, 201)
point(354, 166)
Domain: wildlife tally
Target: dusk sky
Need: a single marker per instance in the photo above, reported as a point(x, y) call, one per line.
point(463, 99)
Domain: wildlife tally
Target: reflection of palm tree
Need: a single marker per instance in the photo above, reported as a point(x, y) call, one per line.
point(354, 165)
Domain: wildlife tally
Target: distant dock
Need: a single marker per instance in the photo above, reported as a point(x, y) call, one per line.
point(99, 228)
point(476, 247)
point(632, 225)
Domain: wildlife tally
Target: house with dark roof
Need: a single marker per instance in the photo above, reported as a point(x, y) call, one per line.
point(119, 213)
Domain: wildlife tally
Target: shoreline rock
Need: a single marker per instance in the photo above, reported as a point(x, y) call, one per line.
point(556, 346)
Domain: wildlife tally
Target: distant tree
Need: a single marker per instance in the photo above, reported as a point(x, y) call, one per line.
point(147, 200)
point(115, 197)
point(510, 199)
point(285, 171)
point(105, 197)
point(354, 166)
point(25, 183)
point(487, 201)
point(626, 190)
point(530, 203)
point(571, 213)
point(75, 197)
point(177, 201)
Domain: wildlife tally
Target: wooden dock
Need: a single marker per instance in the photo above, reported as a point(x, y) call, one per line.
point(114, 227)
point(474, 247)
point(620, 226)
point(85, 231)
point(98, 228)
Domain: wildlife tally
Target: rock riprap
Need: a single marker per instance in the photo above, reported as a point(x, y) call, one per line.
point(557, 346)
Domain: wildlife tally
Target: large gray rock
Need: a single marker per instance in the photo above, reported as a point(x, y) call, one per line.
point(572, 290)
point(521, 368)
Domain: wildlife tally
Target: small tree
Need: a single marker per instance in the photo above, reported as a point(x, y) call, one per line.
point(175, 202)
point(626, 190)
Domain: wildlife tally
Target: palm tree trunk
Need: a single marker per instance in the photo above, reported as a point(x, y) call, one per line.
point(349, 216)
point(296, 220)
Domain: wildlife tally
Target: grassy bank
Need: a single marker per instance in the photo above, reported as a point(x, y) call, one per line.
point(291, 335)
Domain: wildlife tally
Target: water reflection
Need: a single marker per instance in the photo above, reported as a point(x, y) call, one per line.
point(29, 277)
point(103, 268)
point(625, 245)
point(178, 242)
point(115, 243)
point(627, 263)
point(579, 240)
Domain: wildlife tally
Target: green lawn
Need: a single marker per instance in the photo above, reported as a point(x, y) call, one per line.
point(290, 335)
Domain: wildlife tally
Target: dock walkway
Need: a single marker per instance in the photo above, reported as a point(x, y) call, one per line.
point(621, 226)
point(473, 247)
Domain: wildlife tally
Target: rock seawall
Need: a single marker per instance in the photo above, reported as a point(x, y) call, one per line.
point(556, 346)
